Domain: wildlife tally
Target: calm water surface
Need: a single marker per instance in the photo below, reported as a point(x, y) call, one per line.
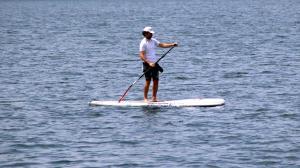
point(58, 55)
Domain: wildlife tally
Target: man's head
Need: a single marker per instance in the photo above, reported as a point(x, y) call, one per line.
point(148, 32)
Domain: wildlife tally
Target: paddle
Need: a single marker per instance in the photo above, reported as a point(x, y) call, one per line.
point(122, 97)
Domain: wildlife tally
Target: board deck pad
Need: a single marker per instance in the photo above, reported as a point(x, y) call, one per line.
point(205, 102)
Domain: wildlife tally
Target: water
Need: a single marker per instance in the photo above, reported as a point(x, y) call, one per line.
point(56, 56)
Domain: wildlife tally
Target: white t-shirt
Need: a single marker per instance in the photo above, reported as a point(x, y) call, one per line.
point(149, 47)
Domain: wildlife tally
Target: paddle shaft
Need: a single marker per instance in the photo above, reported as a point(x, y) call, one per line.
point(122, 97)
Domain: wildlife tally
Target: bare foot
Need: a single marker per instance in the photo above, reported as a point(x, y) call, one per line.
point(145, 100)
point(154, 99)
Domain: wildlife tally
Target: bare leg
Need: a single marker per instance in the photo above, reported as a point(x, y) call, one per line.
point(154, 90)
point(146, 89)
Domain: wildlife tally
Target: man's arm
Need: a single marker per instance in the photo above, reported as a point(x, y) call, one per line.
point(143, 58)
point(167, 45)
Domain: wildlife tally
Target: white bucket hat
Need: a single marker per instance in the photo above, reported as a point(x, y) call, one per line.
point(148, 29)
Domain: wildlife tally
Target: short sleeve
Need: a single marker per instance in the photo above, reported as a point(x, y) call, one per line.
point(142, 46)
point(156, 42)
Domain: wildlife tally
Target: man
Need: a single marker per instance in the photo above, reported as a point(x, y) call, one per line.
point(147, 54)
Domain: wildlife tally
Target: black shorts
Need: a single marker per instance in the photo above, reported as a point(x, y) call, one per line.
point(151, 73)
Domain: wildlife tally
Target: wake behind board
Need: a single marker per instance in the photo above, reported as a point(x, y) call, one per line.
point(207, 102)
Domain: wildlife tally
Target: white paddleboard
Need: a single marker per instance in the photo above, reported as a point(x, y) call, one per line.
point(206, 102)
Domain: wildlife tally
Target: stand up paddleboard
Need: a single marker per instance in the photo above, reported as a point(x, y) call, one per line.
point(208, 102)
